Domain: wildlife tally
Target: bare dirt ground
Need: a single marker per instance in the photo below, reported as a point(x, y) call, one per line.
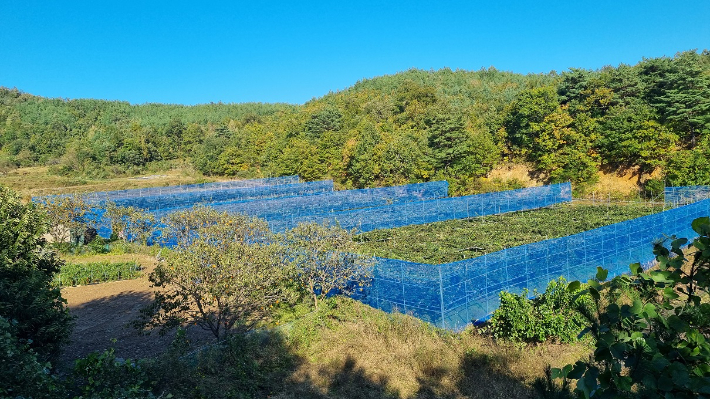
point(104, 312)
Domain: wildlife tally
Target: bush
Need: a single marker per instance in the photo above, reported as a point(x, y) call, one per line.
point(553, 314)
point(21, 374)
point(102, 375)
point(26, 270)
point(223, 275)
point(653, 188)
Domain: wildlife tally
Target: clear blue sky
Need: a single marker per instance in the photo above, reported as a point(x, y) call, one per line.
point(237, 51)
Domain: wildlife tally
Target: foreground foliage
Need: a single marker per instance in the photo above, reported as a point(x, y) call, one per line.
point(34, 308)
point(657, 345)
point(34, 323)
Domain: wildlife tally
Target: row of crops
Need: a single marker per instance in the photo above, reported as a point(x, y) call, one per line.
point(95, 272)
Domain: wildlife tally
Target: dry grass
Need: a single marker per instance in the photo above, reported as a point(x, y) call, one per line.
point(612, 183)
point(515, 172)
point(355, 351)
point(616, 184)
point(35, 181)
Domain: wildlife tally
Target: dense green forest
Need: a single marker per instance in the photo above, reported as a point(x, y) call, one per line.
point(409, 127)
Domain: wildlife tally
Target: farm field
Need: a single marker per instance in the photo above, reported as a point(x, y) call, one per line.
point(454, 240)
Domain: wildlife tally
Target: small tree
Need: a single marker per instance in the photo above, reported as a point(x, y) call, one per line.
point(324, 261)
point(129, 223)
point(220, 228)
point(652, 334)
point(68, 217)
point(222, 276)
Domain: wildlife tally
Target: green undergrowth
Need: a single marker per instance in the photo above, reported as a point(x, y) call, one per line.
point(95, 272)
point(455, 240)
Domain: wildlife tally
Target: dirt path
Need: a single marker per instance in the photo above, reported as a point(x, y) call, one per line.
point(104, 312)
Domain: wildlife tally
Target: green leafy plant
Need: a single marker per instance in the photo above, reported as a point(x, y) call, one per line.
point(22, 374)
point(95, 272)
point(654, 344)
point(27, 266)
point(553, 314)
point(102, 375)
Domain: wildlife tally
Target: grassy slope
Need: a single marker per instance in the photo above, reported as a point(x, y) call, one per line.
point(349, 350)
point(461, 239)
point(405, 357)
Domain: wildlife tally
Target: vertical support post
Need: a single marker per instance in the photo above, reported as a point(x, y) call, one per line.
point(441, 296)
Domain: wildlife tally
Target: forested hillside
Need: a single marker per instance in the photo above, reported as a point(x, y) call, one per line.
point(409, 127)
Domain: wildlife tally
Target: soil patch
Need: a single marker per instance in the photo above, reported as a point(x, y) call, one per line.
point(104, 313)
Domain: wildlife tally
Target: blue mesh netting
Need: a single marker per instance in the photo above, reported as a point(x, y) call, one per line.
point(277, 209)
point(437, 210)
point(191, 198)
point(455, 294)
point(676, 196)
point(118, 195)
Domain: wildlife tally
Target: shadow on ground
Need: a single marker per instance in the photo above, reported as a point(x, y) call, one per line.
point(262, 365)
point(105, 323)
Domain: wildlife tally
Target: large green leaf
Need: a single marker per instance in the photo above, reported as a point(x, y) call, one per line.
point(701, 225)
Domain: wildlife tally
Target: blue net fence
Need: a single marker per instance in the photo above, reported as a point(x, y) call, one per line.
point(676, 196)
point(284, 201)
point(218, 195)
point(288, 208)
point(100, 196)
point(436, 210)
point(453, 295)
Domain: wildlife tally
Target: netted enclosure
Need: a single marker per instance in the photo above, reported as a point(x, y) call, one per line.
point(98, 197)
point(288, 208)
point(436, 210)
point(218, 195)
point(453, 295)
point(676, 196)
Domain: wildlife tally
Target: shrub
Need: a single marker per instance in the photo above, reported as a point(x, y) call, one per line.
point(26, 270)
point(220, 277)
point(22, 374)
point(102, 375)
point(553, 314)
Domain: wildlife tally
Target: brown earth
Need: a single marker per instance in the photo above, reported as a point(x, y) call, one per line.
point(104, 313)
